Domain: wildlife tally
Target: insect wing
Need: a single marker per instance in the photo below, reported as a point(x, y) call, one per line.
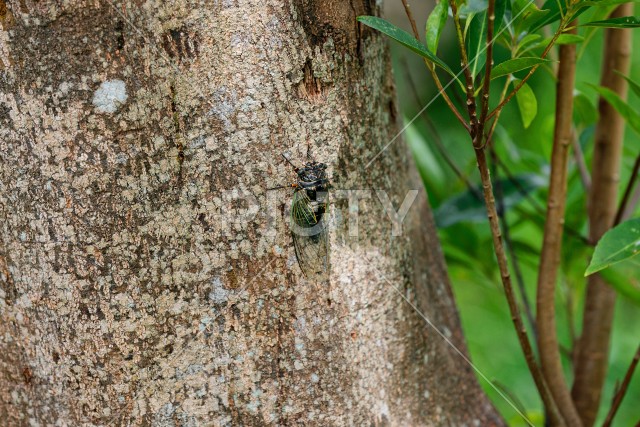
point(312, 254)
point(303, 218)
point(309, 232)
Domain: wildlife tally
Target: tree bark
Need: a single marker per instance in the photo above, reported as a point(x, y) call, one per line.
point(147, 276)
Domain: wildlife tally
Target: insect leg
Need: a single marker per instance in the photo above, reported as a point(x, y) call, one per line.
point(282, 186)
point(295, 168)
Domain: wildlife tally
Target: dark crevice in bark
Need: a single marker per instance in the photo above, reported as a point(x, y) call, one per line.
point(6, 281)
point(335, 20)
point(181, 43)
point(119, 30)
point(312, 85)
point(178, 133)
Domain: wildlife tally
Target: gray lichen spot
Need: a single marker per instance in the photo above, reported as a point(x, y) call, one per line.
point(255, 402)
point(204, 322)
point(109, 96)
point(224, 109)
point(165, 415)
point(218, 294)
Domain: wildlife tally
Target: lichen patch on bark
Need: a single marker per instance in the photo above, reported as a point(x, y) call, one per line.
point(109, 96)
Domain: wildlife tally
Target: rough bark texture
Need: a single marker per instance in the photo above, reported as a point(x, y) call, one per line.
point(137, 288)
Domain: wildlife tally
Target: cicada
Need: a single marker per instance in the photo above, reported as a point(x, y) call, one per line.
point(309, 219)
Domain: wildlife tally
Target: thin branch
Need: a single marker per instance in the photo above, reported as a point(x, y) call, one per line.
point(489, 199)
point(627, 192)
point(438, 141)
point(477, 135)
point(552, 241)
point(412, 21)
point(516, 317)
point(509, 243)
point(593, 347)
point(529, 74)
point(471, 102)
point(617, 399)
point(539, 209)
point(472, 188)
point(432, 69)
point(536, 206)
point(489, 135)
point(484, 103)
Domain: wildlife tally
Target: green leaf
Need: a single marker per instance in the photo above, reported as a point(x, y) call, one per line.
point(554, 13)
point(629, 114)
point(513, 65)
point(563, 39)
point(527, 103)
point(558, 8)
point(435, 23)
point(569, 39)
point(403, 38)
point(467, 207)
point(500, 9)
point(526, 41)
point(617, 244)
point(471, 7)
point(428, 166)
point(604, 2)
point(599, 13)
point(476, 42)
point(526, 15)
point(584, 112)
point(635, 87)
point(623, 277)
point(622, 22)
point(478, 36)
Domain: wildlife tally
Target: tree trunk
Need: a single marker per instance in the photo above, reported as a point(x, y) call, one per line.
point(148, 277)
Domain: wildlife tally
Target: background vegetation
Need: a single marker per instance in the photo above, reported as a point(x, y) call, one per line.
point(437, 140)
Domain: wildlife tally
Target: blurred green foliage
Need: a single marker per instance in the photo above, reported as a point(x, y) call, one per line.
point(524, 152)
